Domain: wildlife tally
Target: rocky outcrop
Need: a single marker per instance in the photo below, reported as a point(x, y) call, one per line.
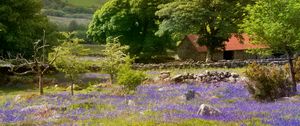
point(207, 77)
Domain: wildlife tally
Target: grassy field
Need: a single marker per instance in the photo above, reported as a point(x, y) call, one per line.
point(66, 21)
point(86, 3)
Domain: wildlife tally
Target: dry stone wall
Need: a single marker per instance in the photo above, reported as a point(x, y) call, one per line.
point(219, 64)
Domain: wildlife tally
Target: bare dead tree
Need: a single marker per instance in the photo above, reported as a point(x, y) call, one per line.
point(37, 66)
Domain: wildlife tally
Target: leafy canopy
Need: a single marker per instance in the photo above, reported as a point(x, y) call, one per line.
point(134, 22)
point(274, 23)
point(22, 23)
point(66, 61)
point(114, 57)
point(213, 20)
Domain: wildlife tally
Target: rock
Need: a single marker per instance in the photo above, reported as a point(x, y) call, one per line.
point(231, 79)
point(178, 78)
point(183, 86)
point(235, 75)
point(165, 72)
point(290, 99)
point(190, 95)
point(18, 98)
point(164, 89)
point(164, 76)
point(227, 74)
point(207, 72)
point(156, 79)
point(131, 103)
point(208, 110)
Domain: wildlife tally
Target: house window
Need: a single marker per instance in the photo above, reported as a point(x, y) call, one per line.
point(228, 55)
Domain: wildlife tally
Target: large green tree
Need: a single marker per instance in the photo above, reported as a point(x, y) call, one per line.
point(134, 23)
point(21, 24)
point(276, 23)
point(213, 20)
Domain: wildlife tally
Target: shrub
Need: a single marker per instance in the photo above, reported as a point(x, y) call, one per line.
point(297, 68)
point(267, 83)
point(114, 57)
point(129, 78)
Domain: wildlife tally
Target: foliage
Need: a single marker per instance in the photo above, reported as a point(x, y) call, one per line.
point(275, 24)
point(68, 63)
point(134, 22)
point(213, 20)
point(114, 56)
point(267, 83)
point(21, 23)
point(297, 68)
point(129, 78)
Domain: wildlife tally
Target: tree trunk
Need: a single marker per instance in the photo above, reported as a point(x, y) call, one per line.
point(208, 56)
point(292, 71)
point(72, 89)
point(40, 79)
point(111, 79)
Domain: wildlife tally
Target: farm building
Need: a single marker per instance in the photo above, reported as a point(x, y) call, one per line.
point(234, 49)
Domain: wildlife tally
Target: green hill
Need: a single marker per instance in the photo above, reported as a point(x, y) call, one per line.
point(85, 3)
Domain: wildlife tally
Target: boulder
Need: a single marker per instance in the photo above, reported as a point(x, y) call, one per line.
point(208, 110)
point(131, 103)
point(232, 80)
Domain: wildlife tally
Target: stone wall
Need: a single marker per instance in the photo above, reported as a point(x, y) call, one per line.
point(219, 64)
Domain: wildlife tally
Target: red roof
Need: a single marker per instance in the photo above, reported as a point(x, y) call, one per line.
point(233, 44)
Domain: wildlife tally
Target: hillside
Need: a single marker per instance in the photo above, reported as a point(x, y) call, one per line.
point(85, 3)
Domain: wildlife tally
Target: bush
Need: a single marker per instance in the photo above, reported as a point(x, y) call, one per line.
point(267, 83)
point(129, 78)
point(297, 68)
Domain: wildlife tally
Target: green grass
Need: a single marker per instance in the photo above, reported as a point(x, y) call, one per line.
point(66, 21)
point(130, 121)
point(86, 3)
